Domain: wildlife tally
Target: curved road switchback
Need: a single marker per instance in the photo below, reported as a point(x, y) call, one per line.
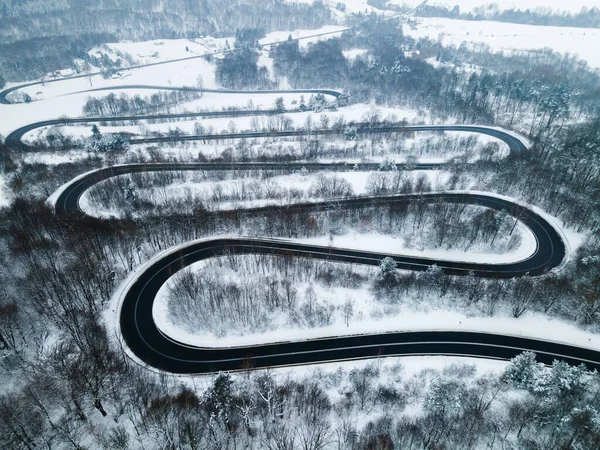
point(154, 348)
point(163, 352)
point(14, 139)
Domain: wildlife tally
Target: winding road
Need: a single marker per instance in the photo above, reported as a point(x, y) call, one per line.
point(14, 139)
point(160, 351)
point(154, 348)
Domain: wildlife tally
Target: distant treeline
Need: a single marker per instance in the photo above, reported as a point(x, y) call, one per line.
point(58, 28)
point(586, 18)
point(123, 105)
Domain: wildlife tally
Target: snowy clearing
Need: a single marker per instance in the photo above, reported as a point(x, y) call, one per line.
point(536, 326)
point(508, 37)
point(147, 52)
point(469, 5)
point(219, 102)
point(397, 245)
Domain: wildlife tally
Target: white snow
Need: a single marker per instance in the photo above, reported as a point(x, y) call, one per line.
point(530, 325)
point(572, 6)
point(352, 54)
point(219, 102)
point(146, 52)
point(5, 194)
point(500, 36)
point(399, 246)
point(180, 73)
point(55, 157)
point(411, 366)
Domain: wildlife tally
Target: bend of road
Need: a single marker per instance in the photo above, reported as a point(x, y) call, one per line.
point(150, 345)
point(14, 139)
point(163, 352)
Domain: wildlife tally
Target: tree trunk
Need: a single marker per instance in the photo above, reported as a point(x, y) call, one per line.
point(99, 407)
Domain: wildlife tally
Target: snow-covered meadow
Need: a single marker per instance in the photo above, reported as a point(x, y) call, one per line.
point(509, 37)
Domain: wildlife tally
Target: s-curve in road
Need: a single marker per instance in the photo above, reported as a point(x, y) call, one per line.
point(154, 348)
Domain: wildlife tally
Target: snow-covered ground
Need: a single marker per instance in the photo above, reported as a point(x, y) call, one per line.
point(532, 325)
point(407, 366)
point(53, 158)
point(399, 245)
point(352, 54)
point(147, 52)
point(180, 73)
point(205, 190)
point(572, 6)
point(508, 37)
point(5, 195)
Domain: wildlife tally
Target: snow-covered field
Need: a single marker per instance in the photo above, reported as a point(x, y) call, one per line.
point(508, 37)
point(572, 6)
point(147, 52)
point(180, 73)
point(399, 245)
